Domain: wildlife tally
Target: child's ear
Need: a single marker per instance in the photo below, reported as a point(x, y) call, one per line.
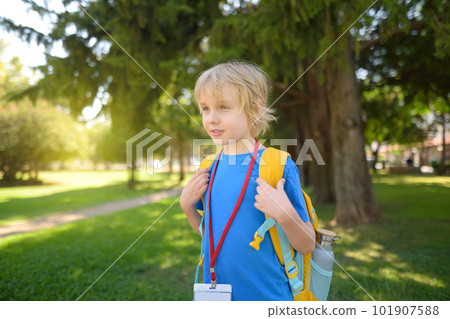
point(260, 103)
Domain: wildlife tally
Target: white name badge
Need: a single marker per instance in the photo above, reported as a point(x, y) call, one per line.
point(204, 292)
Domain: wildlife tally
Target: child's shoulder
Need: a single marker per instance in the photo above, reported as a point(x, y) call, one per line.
point(274, 157)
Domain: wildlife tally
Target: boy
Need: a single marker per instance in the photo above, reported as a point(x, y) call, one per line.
point(232, 98)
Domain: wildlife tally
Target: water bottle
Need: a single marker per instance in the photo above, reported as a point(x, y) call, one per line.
point(323, 253)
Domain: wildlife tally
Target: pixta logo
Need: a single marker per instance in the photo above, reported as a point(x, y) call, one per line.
point(307, 148)
point(135, 150)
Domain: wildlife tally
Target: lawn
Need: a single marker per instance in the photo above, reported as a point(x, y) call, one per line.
point(405, 257)
point(64, 191)
point(61, 263)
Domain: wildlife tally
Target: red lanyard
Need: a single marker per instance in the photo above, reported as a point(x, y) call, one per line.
point(215, 252)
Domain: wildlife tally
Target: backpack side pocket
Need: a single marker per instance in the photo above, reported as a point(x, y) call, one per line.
point(320, 281)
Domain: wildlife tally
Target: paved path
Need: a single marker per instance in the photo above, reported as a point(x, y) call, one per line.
point(102, 209)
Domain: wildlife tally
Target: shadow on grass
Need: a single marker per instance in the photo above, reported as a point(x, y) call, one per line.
point(406, 256)
point(392, 261)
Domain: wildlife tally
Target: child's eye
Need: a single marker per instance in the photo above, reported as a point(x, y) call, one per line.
point(207, 108)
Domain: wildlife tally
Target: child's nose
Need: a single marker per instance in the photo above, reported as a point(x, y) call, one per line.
point(213, 118)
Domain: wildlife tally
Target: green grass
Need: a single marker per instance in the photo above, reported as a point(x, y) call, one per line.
point(405, 257)
point(62, 262)
point(69, 190)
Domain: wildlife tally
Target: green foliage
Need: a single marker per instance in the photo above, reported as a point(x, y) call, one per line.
point(31, 137)
point(170, 42)
point(11, 78)
point(389, 119)
point(140, 41)
point(406, 77)
point(106, 144)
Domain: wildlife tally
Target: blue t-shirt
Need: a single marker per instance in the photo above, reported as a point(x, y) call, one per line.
point(253, 274)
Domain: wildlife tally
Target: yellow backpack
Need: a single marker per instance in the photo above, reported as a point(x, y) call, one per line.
point(297, 266)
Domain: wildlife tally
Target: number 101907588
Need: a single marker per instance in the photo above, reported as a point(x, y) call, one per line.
point(405, 310)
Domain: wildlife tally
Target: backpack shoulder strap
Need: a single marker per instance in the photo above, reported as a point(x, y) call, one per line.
point(271, 169)
point(297, 266)
point(206, 162)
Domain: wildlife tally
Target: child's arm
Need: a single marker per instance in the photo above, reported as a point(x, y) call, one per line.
point(275, 203)
point(301, 235)
point(193, 217)
point(192, 193)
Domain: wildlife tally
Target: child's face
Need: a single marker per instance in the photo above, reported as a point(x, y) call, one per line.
point(222, 114)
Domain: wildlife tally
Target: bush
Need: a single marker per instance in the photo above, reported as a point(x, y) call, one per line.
point(31, 137)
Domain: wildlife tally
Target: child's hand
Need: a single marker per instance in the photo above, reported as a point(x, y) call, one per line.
point(273, 201)
point(195, 188)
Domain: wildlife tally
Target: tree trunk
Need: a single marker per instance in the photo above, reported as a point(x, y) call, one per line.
point(171, 165)
point(375, 157)
point(300, 126)
point(180, 157)
point(441, 169)
point(131, 181)
point(36, 175)
point(9, 175)
point(355, 198)
point(321, 176)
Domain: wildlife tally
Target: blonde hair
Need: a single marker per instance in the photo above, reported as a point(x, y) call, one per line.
point(252, 86)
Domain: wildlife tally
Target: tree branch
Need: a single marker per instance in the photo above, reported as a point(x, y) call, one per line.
point(293, 103)
point(292, 91)
point(415, 25)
